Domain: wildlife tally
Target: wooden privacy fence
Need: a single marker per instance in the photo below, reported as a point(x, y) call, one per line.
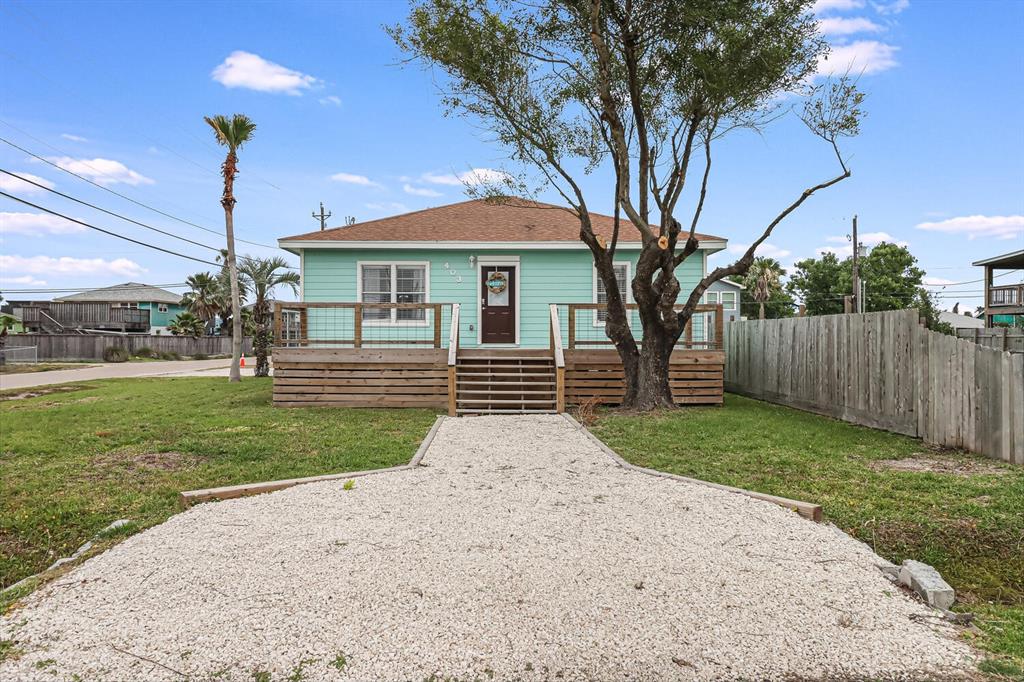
point(1000, 338)
point(90, 346)
point(887, 371)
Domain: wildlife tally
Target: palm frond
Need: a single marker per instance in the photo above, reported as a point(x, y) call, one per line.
point(231, 132)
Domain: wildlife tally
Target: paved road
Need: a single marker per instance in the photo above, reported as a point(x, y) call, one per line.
point(169, 368)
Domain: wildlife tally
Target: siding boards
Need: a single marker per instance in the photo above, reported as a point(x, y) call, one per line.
point(886, 371)
point(349, 377)
point(696, 377)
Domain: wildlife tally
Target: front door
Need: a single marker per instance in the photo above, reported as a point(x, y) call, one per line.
point(498, 303)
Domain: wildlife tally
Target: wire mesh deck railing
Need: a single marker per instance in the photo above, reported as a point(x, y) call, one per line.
point(361, 325)
point(583, 326)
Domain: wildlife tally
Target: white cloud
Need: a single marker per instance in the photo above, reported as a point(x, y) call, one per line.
point(12, 184)
point(352, 179)
point(840, 5)
point(247, 70)
point(390, 206)
point(859, 57)
point(73, 138)
point(36, 224)
point(891, 8)
point(26, 280)
point(998, 226)
point(765, 250)
point(102, 171)
point(67, 265)
point(844, 26)
point(331, 99)
point(474, 176)
point(937, 281)
point(420, 191)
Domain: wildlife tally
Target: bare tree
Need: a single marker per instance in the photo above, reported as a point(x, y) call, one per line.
point(647, 86)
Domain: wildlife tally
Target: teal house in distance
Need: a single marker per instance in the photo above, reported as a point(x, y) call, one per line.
point(504, 264)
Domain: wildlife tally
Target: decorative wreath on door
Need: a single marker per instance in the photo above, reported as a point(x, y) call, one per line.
point(497, 282)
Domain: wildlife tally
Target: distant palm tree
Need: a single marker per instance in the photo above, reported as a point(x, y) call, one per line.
point(187, 324)
point(762, 280)
point(232, 133)
point(263, 275)
point(202, 299)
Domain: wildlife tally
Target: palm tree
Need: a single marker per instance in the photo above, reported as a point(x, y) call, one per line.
point(232, 133)
point(263, 275)
point(187, 324)
point(762, 280)
point(202, 301)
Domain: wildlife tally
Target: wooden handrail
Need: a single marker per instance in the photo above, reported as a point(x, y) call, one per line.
point(716, 308)
point(453, 335)
point(355, 330)
point(556, 337)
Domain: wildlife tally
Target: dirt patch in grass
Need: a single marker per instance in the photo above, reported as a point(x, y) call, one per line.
point(36, 392)
point(957, 467)
point(150, 461)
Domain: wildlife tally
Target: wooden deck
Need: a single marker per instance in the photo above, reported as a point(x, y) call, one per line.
point(311, 371)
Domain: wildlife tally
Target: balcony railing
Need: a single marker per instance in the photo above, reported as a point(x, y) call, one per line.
point(361, 325)
point(1009, 295)
point(583, 326)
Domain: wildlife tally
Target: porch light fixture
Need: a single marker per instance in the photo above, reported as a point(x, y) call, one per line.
point(472, 259)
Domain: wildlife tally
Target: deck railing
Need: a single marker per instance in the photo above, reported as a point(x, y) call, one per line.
point(361, 325)
point(1008, 295)
point(584, 326)
point(85, 316)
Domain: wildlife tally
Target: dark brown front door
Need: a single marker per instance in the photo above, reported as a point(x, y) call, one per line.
point(498, 303)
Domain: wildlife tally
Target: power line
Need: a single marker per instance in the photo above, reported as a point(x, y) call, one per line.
point(112, 234)
point(107, 189)
point(116, 215)
point(90, 288)
point(971, 281)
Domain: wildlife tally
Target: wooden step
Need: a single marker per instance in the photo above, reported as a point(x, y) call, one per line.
point(520, 358)
point(506, 402)
point(504, 374)
point(459, 367)
point(514, 391)
point(501, 411)
point(504, 385)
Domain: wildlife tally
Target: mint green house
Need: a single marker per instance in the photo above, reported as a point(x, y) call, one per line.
point(504, 264)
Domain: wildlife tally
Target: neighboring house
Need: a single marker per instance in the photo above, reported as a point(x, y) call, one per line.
point(504, 263)
point(128, 307)
point(960, 320)
point(728, 293)
point(1004, 303)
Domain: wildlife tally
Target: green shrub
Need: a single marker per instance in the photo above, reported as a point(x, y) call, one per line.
point(144, 352)
point(170, 355)
point(116, 354)
point(200, 356)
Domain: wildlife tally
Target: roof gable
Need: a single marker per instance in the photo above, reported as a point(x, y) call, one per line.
point(129, 292)
point(478, 220)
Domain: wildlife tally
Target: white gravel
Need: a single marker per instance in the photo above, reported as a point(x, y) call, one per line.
point(518, 551)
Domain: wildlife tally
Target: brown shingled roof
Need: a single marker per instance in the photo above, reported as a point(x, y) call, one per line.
point(479, 220)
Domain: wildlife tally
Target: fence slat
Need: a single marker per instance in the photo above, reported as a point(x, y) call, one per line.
point(887, 371)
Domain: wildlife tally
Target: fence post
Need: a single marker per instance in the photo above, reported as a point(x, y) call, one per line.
point(572, 326)
point(277, 323)
point(357, 326)
point(437, 325)
point(719, 323)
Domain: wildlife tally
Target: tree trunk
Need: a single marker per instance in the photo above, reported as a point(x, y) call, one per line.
point(235, 373)
point(649, 376)
point(261, 345)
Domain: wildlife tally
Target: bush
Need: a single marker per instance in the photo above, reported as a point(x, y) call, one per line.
point(144, 352)
point(170, 355)
point(116, 354)
point(200, 356)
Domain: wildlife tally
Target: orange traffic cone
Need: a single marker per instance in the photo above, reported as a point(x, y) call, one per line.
point(241, 362)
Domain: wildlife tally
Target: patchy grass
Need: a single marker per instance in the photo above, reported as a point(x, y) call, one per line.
point(73, 461)
point(959, 512)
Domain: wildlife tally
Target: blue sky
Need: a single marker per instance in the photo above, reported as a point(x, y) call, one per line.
point(117, 91)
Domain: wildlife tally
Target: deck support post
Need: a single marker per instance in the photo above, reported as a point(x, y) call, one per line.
point(357, 326)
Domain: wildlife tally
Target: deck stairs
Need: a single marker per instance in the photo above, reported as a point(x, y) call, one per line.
point(505, 381)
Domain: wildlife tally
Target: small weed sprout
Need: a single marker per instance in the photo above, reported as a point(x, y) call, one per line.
point(349, 484)
point(260, 676)
point(339, 662)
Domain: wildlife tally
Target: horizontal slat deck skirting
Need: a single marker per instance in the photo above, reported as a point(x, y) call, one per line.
point(349, 377)
point(695, 376)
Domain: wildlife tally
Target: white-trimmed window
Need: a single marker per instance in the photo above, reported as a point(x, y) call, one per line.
point(711, 297)
point(601, 294)
point(161, 308)
point(728, 300)
point(125, 305)
point(402, 282)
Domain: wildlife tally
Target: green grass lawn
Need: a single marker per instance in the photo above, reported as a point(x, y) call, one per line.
point(75, 459)
point(965, 517)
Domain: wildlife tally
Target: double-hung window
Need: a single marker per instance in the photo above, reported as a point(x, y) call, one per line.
point(393, 283)
point(728, 300)
point(601, 294)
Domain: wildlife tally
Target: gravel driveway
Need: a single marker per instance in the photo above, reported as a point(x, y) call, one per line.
point(518, 551)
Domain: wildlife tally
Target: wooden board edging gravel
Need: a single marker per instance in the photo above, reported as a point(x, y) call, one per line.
point(808, 510)
point(190, 497)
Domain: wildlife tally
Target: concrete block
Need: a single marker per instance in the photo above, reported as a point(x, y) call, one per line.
point(927, 582)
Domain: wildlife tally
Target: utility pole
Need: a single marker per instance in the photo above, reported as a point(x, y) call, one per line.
point(322, 217)
point(857, 303)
